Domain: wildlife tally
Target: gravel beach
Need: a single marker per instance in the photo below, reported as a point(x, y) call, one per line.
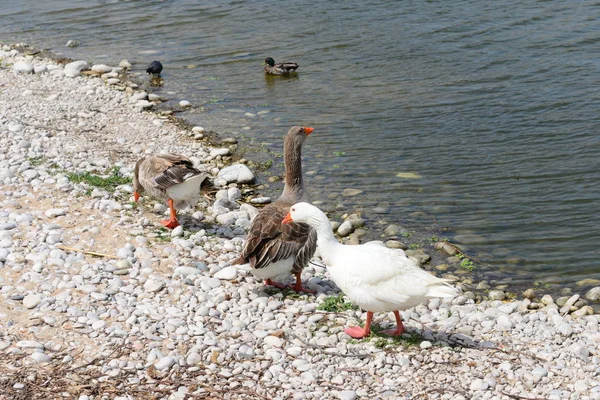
point(159, 314)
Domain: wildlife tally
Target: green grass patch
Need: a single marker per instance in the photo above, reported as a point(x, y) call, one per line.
point(467, 264)
point(414, 246)
point(36, 161)
point(381, 341)
point(336, 304)
point(109, 181)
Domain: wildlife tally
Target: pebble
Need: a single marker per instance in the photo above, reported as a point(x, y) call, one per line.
point(55, 212)
point(165, 363)
point(347, 395)
point(153, 286)
point(32, 300)
point(23, 67)
point(227, 273)
point(239, 173)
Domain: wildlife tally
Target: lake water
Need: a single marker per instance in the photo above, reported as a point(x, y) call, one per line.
point(491, 107)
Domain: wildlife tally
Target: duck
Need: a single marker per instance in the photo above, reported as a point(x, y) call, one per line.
point(171, 178)
point(374, 277)
point(279, 69)
point(274, 250)
point(155, 68)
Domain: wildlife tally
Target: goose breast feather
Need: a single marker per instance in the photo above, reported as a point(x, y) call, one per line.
point(269, 240)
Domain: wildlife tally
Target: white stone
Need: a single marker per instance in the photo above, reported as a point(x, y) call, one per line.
point(184, 103)
point(101, 68)
point(347, 395)
point(425, 344)
point(165, 363)
point(32, 300)
point(55, 212)
point(125, 64)
point(40, 357)
point(153, 286)
point(220, 152)
point(236, 173)
point(227, 273)
point(29, 344)
point(178, 231)
point(23, 67)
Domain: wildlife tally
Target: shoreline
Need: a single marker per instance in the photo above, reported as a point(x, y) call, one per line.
point(171, 306)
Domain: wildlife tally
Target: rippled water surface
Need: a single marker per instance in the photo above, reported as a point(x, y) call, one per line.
point(493, 106)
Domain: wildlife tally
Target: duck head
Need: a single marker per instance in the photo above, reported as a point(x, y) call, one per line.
point(270, 62)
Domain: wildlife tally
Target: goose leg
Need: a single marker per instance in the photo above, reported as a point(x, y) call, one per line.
point(172, 222)
point(278, 285)
point(399, 326)
point(357, 332)
point(298, 286)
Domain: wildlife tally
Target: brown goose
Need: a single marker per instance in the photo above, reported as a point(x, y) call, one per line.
point(274, 249)
point(169, 177)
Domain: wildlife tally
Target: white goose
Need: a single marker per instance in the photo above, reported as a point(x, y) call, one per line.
point(374, 277)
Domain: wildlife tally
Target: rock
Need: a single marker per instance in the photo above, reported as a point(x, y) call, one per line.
point(184, 103)
point(351, 192)
point(345, 229)
point(125, 64)
point(40, 357)
point(539, 373)
point(529, 293)
point(496, 295)
point(593, 294)
point(237, 173)
point(101, 68)
point(425, 344)
point(395, 244)
point(393, 230)
point(446, 247)
point(479, 384)
point(29, 344)
point(347, 395)
point(177, 231)
point(40, 69)
point(547, 299)
point(153, 285)
point(504, 323)
point(165, 363)
point(185, 271)
point(198, 129)
point(77, 66)
point(227, 273)
point(222, 152)
point(72, 43)
point(32, 300)
point(23, 67)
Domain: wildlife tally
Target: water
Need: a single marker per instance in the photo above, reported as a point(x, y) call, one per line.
point(493, 104)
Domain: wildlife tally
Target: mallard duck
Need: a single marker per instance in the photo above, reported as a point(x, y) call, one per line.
point(155, 68)
point(275, 250)
point(374, 277)
point(169, 177)
point(279, 69)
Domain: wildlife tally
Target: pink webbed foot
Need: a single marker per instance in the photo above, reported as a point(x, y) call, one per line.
point(394, 332)
point(278, 285)
point(356, 332)
point(170, 223)
point(299, 288)
point(399, 326)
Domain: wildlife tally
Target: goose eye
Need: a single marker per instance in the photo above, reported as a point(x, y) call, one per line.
point(293, 209)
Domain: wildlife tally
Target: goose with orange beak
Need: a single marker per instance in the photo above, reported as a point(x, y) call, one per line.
point(171, 178)
point(275, 250)
point(374, 277)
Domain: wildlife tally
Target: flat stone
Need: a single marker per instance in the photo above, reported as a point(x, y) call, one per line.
point(40, 357)
point(153, 286)
point(236, 173)
point(227, 273)
point(55, 212)
point(23, 67)
point(165, 363)
point(29, 344)
point(593, 294)
point(351, 192)
point(347, 395)
point(345, 229)
point(101, 68)
point(32, 300)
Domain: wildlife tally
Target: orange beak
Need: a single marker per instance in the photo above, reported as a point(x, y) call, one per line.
point(136, 196)
point(308, 130)
point(288, 218)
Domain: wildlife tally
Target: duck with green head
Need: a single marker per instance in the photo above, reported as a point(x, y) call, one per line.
point(280, 68)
